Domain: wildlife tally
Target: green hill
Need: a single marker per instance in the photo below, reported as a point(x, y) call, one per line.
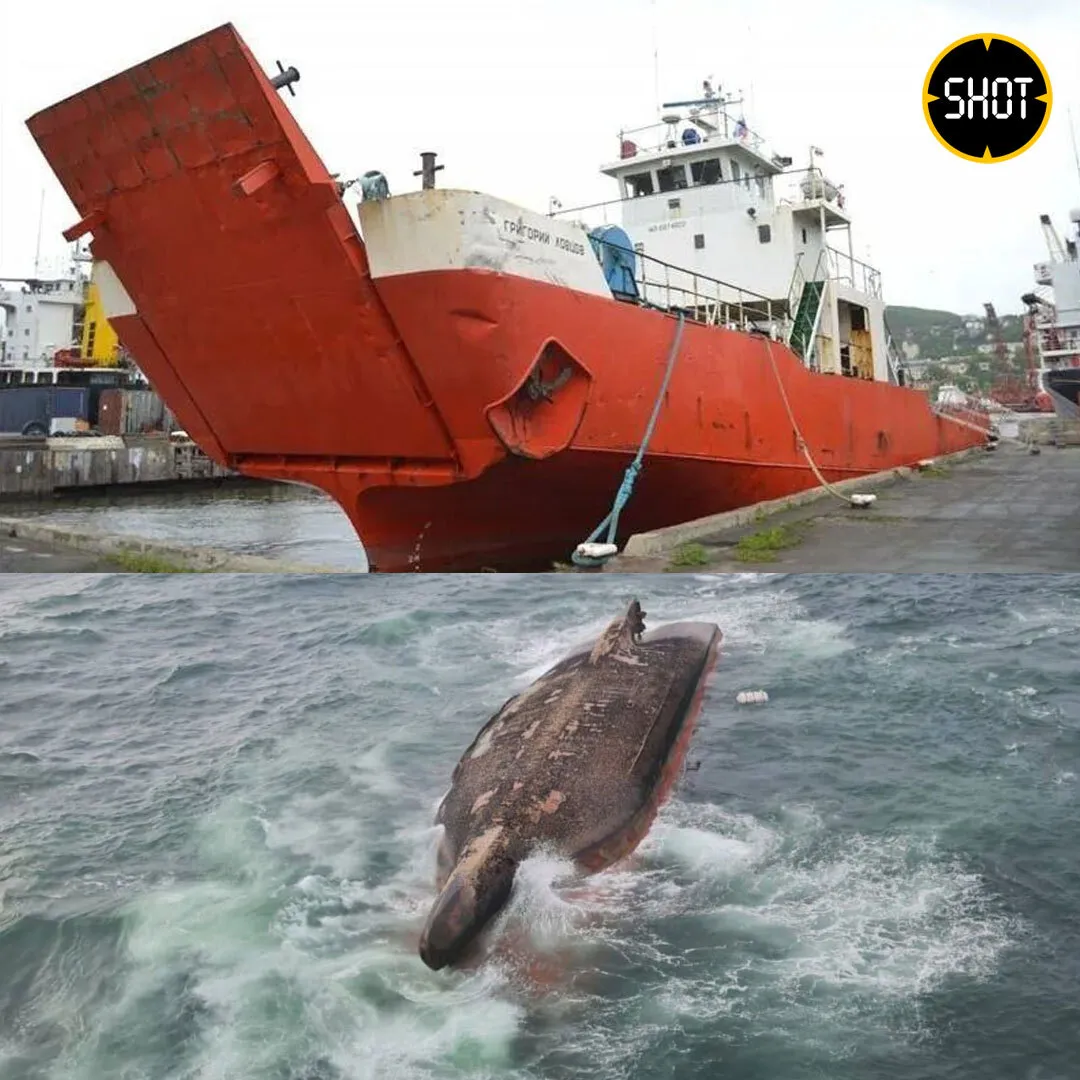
point(940, 334)
point(929, 339)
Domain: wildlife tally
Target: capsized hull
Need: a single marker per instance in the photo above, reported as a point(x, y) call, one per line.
point(469, 400)
point(578, 764)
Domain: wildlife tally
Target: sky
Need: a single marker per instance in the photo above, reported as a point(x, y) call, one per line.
point(525, 100)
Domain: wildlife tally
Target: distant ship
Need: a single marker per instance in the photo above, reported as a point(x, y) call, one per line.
point(472, 381)
point(58, 355)
point(1053, 313)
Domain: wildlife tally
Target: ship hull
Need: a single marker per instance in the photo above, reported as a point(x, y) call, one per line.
point(1063, 385)
point(459, 379)
point(524, 516)
point(724, 437)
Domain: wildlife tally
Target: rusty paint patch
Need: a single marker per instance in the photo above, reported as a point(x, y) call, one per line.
point(483, 800)
point(552, 802)
point(546, 806)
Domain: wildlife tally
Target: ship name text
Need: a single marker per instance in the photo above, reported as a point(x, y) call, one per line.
point(519, 230)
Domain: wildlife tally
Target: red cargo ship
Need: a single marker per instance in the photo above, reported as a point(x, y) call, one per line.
point(470, 380)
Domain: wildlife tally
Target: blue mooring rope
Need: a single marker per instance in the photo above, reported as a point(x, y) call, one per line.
point(626, 488)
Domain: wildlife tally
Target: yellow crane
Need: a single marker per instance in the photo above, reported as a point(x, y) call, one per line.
point(99, 346)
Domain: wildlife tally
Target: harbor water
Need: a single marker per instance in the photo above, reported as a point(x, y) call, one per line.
point(216, 841)
point(289, 522)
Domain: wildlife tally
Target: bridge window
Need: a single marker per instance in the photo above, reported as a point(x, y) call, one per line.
point(764, 234)
point(672, 178)
point(640, 184)
point(706, 172)
point(699, 240)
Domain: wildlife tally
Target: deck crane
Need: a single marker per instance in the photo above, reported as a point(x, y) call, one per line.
point(1053, 242)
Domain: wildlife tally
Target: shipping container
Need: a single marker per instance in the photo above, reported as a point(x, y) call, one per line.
point(130, 412)
point(145, 412)
point(27, 410)
point(111, 412)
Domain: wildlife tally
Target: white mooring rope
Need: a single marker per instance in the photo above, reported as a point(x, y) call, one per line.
point(854, 500)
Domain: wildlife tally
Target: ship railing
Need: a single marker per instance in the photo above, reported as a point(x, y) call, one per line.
point(701, 298)
point(1058, 340)
point(893, 360)
point(651, 138)
point(847, 270)
point(809, 185)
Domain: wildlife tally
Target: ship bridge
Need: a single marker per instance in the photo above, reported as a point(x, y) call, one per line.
point(704, 200)
point(704, 191)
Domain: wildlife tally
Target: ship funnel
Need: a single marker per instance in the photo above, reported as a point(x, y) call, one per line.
point(284, 79)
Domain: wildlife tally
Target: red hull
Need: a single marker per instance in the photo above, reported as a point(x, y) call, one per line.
point(723, 439)
point(249, 302)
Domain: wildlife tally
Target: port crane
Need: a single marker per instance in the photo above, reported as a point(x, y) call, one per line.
point(1009, 389)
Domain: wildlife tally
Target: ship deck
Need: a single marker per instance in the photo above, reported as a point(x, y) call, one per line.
point(1006, 511)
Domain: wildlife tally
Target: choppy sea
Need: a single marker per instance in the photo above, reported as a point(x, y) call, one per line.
point(216, 842)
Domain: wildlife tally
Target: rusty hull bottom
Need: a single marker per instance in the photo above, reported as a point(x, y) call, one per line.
point(523, 516)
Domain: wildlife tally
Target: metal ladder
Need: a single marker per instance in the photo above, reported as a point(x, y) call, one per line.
point(806, 298)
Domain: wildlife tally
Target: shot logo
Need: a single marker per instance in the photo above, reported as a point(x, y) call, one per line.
point(987, 98)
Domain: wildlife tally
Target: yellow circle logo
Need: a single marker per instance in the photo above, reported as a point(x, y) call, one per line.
point(987, 98)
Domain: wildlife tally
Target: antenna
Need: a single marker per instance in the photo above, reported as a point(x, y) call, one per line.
point(750, 50)
point(40, 222)
point(656, 60)
point(1072, 135)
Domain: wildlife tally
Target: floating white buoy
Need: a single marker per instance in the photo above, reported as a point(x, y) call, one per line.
point(597, 551)
point(751, 697)
point(863, 500)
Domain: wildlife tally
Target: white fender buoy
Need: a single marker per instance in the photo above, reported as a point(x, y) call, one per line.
point(751, 697)
point(597, 551)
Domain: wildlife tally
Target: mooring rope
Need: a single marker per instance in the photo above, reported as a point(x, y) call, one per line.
point(581, 555)
point(963, 423)
point(799, 440)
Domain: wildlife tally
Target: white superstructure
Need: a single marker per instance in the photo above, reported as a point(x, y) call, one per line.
point(703, 199)
point(38, 318)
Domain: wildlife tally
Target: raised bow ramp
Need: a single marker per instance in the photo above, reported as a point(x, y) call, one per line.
point(234, 272)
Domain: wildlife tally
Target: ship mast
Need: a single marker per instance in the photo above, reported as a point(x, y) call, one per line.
point(1072, 136)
